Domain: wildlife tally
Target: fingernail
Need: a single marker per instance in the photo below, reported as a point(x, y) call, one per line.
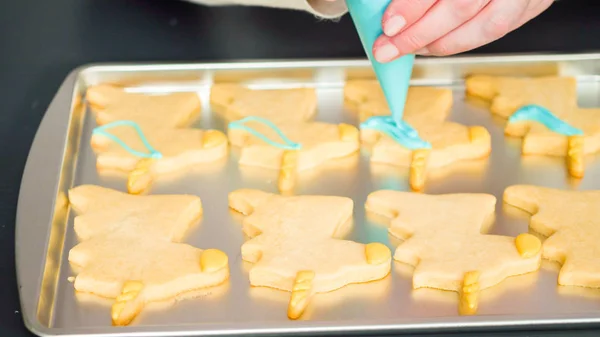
point(422, 51)
point(393, 25)
point(386, 53)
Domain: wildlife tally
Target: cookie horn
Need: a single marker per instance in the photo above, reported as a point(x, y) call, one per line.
point(575, 155)
point(301, 293)
point(469, 293)
point(245, 200)
point(418, 169)
point(140, 178)
point(287, 173)
point(128, 304)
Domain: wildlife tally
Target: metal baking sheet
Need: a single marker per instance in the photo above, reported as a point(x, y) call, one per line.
point(61, 158)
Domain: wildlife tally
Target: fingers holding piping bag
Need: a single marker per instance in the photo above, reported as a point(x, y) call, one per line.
point(401, 14)
point(443, 17)
point(446, 27)
point(499, 18)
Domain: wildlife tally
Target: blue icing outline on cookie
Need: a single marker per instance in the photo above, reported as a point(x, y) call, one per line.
point(402, 132)
point(536, 113)
point(288, 143)
point(153, 154)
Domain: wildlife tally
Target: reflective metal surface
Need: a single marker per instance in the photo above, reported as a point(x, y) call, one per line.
point(61, 157)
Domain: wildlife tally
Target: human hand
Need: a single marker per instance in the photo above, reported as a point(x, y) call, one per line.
point(446, 27)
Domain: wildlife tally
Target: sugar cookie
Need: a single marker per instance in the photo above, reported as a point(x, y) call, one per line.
point(426, 111)
point(508, 94)
point(111, 103)
point(295, 245)
point(366, 98)
point(291, 147)
point(443, 240)
point(544, 112)
point(570, 220)
point(129, 249)
point(281, 105)
point(120, 146)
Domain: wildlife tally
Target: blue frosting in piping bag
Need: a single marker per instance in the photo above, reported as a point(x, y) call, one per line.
point(394, 77)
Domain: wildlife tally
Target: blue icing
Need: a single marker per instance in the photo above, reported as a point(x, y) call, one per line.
point(393, 76)
point(402, 132)
point(152, 153)
point(536, 113)
point(288, 144)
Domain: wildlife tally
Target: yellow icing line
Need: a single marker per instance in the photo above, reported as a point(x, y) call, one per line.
point(141, 177)
point(575, 153)
point(418, 166)
point(301, 293)
point(287, 173)
point(469, 294)
point(128, 304)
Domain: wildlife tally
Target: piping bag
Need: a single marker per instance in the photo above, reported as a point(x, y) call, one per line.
point(393, 77)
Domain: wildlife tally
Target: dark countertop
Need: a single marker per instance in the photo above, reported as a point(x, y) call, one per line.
point(41, 41)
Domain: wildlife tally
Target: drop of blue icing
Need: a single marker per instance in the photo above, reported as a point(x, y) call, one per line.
point(402, 132)
point(394, 76)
